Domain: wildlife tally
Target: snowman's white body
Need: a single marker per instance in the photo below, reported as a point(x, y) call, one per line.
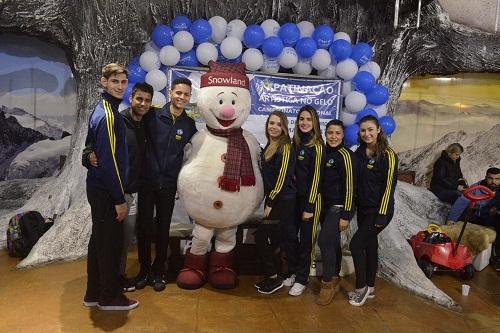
point(216, 211)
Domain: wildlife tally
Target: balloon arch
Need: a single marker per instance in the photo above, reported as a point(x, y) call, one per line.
point(270, 47)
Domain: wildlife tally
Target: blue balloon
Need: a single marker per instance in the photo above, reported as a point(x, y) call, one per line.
point(365, 112)
point(134, 61)
point(323, 35)
point(306, 47)
point(201, 31)
point(362, 53)
point(254, 36)
point(289, 34)
point(128, 91)
point(180, 23)
point(189, 59)
point(378, 95)
point(136, 73)
point(272, 46)
point(162, 35)
point(341, 49)
point(351, 134)
point(363, 81)
point(388, 124)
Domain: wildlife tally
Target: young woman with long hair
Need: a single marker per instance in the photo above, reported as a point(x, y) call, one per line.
point(278, 168)
point(376, 182)
point(308, 146)
point(337, 190)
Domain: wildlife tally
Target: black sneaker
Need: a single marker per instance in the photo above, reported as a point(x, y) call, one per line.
point(141, 280)
point(158, 282)
point(127, 284)
point(270, 285)
point(259, 285)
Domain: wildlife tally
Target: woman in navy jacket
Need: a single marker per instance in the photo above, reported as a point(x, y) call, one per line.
point(308, 146)
point(337, 190)
point(278, 168)
point(376, 182)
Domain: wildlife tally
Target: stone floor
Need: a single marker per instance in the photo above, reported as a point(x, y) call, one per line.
point(48, 299)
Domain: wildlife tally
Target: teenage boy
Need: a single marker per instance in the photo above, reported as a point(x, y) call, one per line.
point(134, 117)
point(168, 131)
point(106, 195)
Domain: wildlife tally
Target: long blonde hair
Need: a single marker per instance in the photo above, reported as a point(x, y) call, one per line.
point(316, 135)
point(283, 139)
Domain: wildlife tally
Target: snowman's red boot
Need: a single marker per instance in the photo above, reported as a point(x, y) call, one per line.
point(221, 274)
point(193, 275)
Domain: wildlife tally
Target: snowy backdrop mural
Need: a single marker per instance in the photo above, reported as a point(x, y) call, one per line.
point(37, 107)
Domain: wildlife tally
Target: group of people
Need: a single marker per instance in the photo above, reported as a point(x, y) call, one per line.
point(134, 158)
point(448, 183)
point(314, 187)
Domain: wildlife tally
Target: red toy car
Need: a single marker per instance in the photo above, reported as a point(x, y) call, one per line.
point(434, 250)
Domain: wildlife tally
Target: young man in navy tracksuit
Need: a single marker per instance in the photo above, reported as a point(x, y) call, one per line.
point(134, 118)
point(168, 131)
point(106, 195)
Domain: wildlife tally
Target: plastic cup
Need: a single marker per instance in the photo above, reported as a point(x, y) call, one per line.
point(465, 289)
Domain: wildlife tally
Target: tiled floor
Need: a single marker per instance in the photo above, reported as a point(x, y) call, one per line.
point(48, 299)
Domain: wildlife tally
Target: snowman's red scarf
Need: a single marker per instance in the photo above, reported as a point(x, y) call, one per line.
point(238, 160)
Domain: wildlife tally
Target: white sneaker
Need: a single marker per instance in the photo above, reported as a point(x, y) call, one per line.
point(289, 281)
point(297, 289)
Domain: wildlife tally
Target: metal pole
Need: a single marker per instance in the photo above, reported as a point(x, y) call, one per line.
point(419, 11)
point(496, 16)
point(396, 14)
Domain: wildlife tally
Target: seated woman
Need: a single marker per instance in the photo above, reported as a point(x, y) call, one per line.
point(447, 181)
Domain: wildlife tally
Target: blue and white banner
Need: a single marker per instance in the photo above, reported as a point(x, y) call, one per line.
point(272, 92)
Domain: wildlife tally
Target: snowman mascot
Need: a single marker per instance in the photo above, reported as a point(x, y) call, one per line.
point(220, 182)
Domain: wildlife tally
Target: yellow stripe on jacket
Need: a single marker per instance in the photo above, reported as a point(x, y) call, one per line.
point(349, 179)
point(317, 171)
point(110, 123)
point(391, 161)
point(282, 174)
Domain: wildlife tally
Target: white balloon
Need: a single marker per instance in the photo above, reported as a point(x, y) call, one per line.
point(342, 35)
point(149, 61)
point(231, 47)
point(219, 26)
point(157, 79)
point(236, 28)
point(169, 55)
point(328, 73)
point(346, 88)
point(270, 27)
point(321, 59)
point(303, 67)
point(380, 109)
point(151, 46)
point(306, 29)
point(183, 41)
point(270, 65)
point(347, 117)
point(288, 57)
point(355, 101)
point(206, 52)
point(346, 69)
point(159, 100)
point(253, 59)
point(371, 67)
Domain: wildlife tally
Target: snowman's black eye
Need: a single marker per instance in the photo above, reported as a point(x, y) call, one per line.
point(221, 101)
point(233, 102)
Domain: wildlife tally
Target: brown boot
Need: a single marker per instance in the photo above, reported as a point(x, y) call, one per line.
point(193, 275)
point(328, 291)
point(221, 274)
